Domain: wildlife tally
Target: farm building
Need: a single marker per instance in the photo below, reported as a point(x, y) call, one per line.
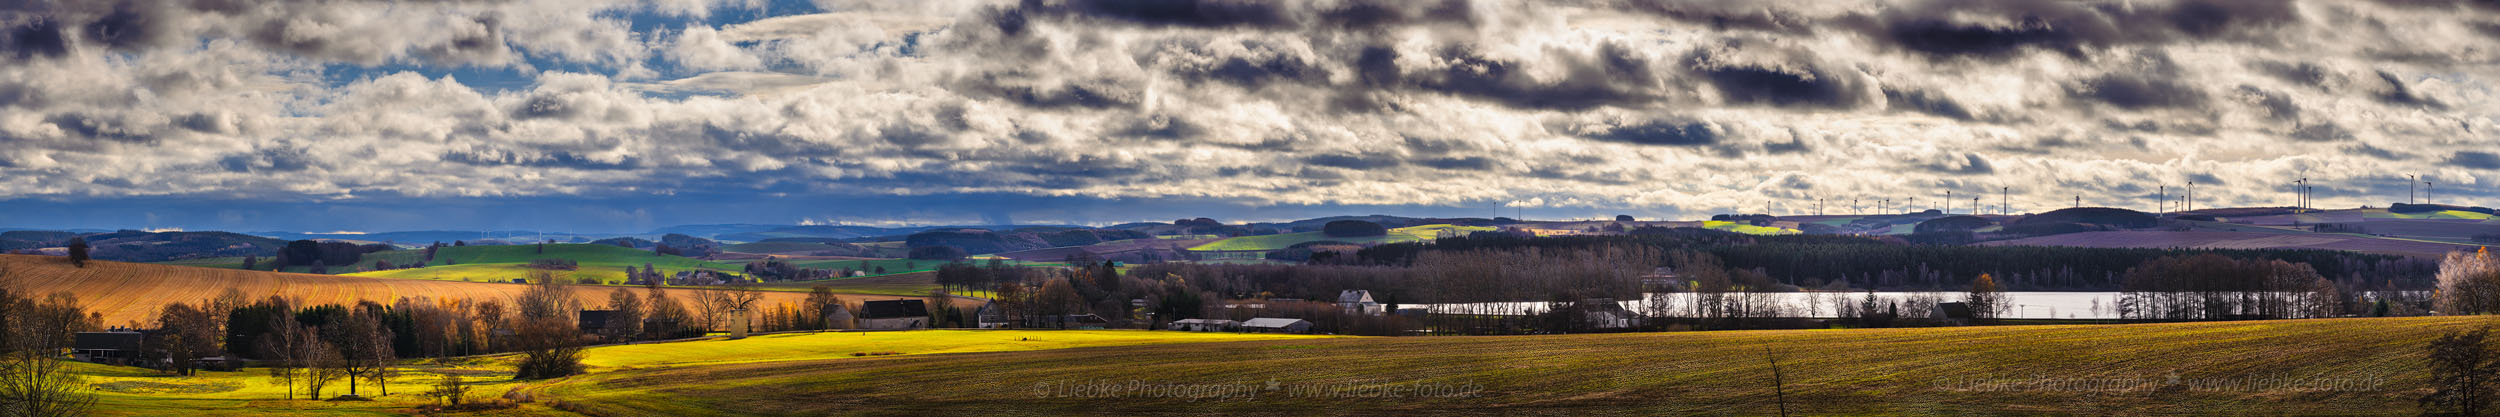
point(113, 347)
point(1951, 311)
point(594, 321)
point(990, 317)
point(1071, 321)
point(839, 317)
point(1605, 313)
point(1206, 325)
point(1358, 302)
point(894, 315)
point(1276, 325)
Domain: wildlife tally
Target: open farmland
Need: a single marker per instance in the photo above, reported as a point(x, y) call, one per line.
point(2328, 366)
point(127, 292)
point(2239, 240)
point(503, 263)
point(1285, 240)
point(1162, 246)
point(135, 391)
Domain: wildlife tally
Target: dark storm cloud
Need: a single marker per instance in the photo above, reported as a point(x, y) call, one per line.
point(2138, 92)
point(2374, 152)
point(1238, 14)
point(1925, 102)
point(1971, 164)
point(1726, 15)
point(2475, 160)
point(1471, 163)
point(1097, 94)
point(100, 127)
point(1662, 132)
point(2277, 105)
point(1610, 76)
point(2301, 73)
point(539, 159)
point(2069, 28)
point(1792, 85)
point(2398, 93)
point(41, 38)
point(2322, 132)
point(1354, 162)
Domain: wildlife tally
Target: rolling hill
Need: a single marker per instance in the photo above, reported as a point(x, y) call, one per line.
point(127, 292)
point(1285, 240)
point(489, 263)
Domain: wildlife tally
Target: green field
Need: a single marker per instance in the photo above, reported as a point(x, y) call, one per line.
point(2328, 366)
point(1746, 228)
point(1285, 240)
point(501, 263)
point(134, 391)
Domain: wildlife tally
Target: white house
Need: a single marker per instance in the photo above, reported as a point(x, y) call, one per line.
point(1359, 302)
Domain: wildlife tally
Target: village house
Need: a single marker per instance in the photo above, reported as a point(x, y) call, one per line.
point(594, 321)
point(894, 315)
point(1359, 302)
point(1206, 325)
point(1277, 325)
point(990, 317)
point(1071, 321)
point(111, 347)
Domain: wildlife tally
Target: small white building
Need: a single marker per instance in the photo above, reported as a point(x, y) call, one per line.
point(1277, 325)
point(1206, 325)
point(1359, 302)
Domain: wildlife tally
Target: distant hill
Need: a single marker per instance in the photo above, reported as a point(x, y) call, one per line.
point(2080, 219)
point(133, 292)
point(1953, 224)
point(140, 246)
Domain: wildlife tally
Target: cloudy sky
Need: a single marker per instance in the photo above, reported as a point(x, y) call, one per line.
point(596, 115)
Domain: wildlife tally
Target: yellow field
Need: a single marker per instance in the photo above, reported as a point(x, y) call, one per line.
point(2329, 366)
point(133, 391)
point(127, 292)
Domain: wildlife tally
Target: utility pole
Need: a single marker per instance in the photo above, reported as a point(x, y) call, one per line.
point(2409, 179)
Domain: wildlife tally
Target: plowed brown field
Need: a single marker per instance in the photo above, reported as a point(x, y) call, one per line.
point(126, 292)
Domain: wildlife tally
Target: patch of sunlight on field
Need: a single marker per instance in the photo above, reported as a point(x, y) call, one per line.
point(1284, 240)
point(2442, 214)
point(835, 345)
point(1730, 226)
point(141, 392)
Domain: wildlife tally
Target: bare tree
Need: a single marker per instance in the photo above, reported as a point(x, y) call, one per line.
point(279, 347)
point(33, 381)
point(626, 322)
point(549, 341)
point(2463, 372)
